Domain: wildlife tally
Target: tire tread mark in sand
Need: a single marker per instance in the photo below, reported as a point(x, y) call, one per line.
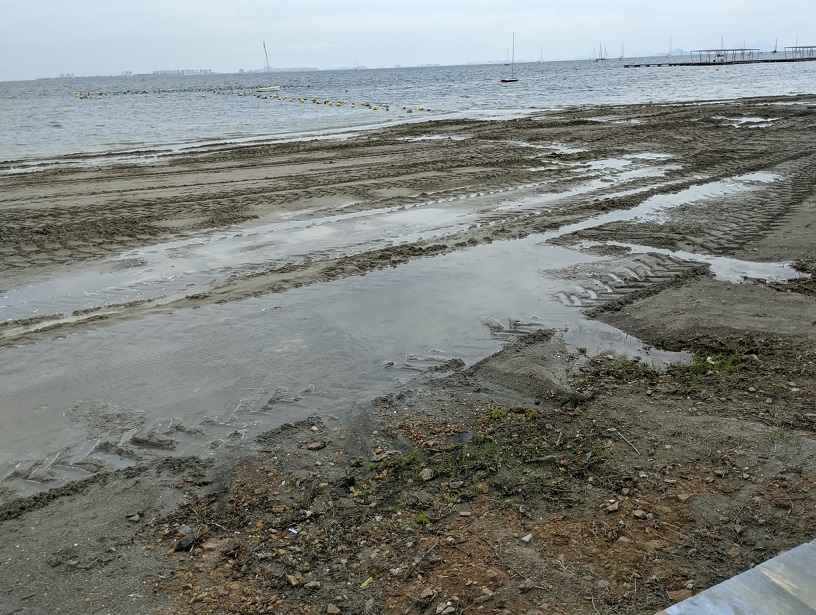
point(730, 224)
point(613, 281)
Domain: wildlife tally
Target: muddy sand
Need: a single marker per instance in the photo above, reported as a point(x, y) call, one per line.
point(542, 479)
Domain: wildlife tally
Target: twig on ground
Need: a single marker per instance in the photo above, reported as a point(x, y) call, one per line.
point(419, 561)
point(627, 441)
point(203, 520)
point(538, 459)
point(591, 597)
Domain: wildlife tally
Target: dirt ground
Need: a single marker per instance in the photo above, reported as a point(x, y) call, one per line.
point(540, 480)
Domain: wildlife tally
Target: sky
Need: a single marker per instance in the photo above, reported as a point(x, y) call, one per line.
point(44, 38)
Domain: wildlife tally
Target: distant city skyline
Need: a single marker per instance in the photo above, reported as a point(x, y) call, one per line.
point(47, 38)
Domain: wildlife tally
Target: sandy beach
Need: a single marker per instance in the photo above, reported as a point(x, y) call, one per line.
point(546, 478)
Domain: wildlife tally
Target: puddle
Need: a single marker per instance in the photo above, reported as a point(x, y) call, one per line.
point(655, 208)
point(437, 138)
point(723, 268)
point(748, 122)
point(165, 272)
point(555, 146)
point(607, 163)
point(177, 268)
point(649, 156)
point(204, 374)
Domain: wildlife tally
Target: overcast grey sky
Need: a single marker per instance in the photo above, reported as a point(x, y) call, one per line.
point(43, 38)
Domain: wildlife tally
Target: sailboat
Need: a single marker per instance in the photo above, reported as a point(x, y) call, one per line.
point(512, 78)
point(268, 88)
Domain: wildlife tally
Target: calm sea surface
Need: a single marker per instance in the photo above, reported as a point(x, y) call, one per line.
point(43, 119)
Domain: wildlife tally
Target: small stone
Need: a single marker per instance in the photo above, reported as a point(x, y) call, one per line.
point(464, 513)
point(625, 491)
point(527, 538)
point(486, 595)
point(639, 514)
point(601, 583)
point(426, 474)
point(312, 585)
point(134, 518)
point(316, 445)
point(333, 609)
point(679, 595)
point(624, 540)
point(186, 543)
point(427, 594)
point(483, 487)
point(292, 580)
point(613, 507)
point(649, 392)
point(752, 389)
point(526, 585)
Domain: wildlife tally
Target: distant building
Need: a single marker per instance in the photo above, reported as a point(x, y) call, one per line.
point(184, 71)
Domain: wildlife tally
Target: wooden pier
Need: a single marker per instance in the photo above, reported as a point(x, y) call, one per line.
point(785, 584)
point(728, 57)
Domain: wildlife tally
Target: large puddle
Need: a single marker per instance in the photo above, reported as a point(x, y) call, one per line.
point(173, 269)
point(217, 375)
point(203, 377)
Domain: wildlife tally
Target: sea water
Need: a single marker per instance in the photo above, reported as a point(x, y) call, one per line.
point(135, 116)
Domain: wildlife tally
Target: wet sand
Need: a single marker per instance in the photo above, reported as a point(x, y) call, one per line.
point(634, 226)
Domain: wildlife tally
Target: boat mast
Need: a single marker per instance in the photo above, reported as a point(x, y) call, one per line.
point(267, 57)
point(513, 57)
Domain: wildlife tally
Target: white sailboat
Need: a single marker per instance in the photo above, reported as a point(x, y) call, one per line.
point(268, 88)
point(512, 78)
